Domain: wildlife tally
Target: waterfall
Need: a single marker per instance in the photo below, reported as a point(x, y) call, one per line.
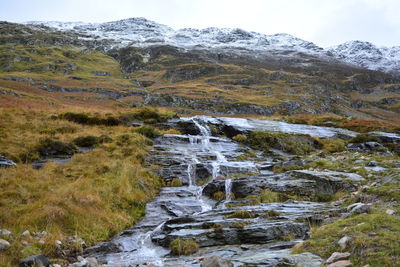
point(228, 189)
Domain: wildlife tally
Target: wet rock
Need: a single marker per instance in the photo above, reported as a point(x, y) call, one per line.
point(39, 260)
point(4, 162)
point(386, 137)
point(337, 256)
point(216, 262)
point(358, 208)
point(344, 241)
point(366, 147)
point(306, 259)
point(4, 245)
point(102, 247)
point(343, 263)
point(82, 262)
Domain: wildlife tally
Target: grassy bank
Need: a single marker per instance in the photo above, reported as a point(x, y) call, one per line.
point(93, 196)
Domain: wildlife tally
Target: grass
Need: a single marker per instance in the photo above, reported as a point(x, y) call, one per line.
point(241, 214)
point(94, 196)
point(375, 239)
point(181, 247)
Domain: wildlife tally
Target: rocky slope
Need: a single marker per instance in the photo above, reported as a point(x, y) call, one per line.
point(140, 32)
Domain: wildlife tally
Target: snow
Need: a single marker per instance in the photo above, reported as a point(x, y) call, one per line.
point(141, 32)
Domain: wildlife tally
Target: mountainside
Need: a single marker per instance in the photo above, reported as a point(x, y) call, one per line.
point(141, 32)
point(137, 62)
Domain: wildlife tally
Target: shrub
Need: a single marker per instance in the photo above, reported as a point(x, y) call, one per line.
point(83, 118)
point(50, 146)
point(183, 247)
point(148, 131)
point(86, 141)
point(333, 145)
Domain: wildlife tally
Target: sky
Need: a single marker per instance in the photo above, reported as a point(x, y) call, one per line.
point(324, 22)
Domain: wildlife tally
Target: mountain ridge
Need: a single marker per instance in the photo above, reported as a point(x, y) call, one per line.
point(141, 32)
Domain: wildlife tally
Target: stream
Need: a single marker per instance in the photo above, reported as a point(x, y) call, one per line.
point(208, 164)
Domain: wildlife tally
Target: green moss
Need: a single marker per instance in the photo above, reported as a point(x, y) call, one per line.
point(148, 131)
point(219, 196)
point(241, 138)
point(176, 182)
point(183, 247)
point(241, 214)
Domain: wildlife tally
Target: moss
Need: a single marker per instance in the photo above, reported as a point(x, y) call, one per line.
point(291, 143)
point(217, 227)
point(219, 195)
point(176, 182)
point(241, 138)
point(241, 214)
point(239, 225)
point(267, 196)
point(333, 145)
point(48, 146)
point(181, 247)
point(86, 141)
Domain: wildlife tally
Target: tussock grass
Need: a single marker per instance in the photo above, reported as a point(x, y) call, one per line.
point(94, 196)
point(181, 247)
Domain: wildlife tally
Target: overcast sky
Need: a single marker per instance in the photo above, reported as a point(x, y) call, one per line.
point(324, 22)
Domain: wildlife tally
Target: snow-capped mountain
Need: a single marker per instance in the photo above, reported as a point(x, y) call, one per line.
point(368, 55)
point(141, 32)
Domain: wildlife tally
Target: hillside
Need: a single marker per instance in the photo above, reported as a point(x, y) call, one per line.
point(129, 143)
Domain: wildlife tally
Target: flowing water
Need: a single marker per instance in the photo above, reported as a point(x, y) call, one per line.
point(198, 161)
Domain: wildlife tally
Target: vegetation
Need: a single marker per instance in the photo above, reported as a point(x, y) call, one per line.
point(183, 247)
point(374, 238)
point(241, 214)
point(94, 196)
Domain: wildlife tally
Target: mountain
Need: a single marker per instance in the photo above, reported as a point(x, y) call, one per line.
point(141, 32)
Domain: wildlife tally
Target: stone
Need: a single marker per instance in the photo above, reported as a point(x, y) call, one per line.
point(4, 162)
point(344, 241)
point(4, 245)
point(5, 233)
point(343, 263)
point(26, 234)
point(306, 259)
point(337, 256)
point(359, 208)
point(39, 260)
point(390, 212)
point(216, 262)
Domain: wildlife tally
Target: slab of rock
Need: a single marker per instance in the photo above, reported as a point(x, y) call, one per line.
point(4, 245)
point(386, 137)
point(343, 263)
point(337, 256)
point(39, 260)
point(216, 262)
point(359, 208)
point(306, 259)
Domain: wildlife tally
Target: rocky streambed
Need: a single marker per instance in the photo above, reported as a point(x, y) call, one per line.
point(231, 226)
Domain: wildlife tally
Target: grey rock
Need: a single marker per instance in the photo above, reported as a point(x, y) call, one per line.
point(358, 208)
point(4, 245)
point(337, 256)
point(4, 162)
point(344, 241)
point(39, 260)
point(390, 212)
point(5, 233)
point(306, 259)
point(216, 262)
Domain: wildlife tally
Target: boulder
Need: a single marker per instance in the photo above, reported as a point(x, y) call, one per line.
point(4, 245)
point(337, 256)
point(39, 260)
point(358, 208)
point(5, 233)
point(306, 259)
point(216, 262)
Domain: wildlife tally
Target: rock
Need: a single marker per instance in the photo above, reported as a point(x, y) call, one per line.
point(4, 162)
point(337, 256)
point(4, 245)
point(390, 212)
point(39, 260)
point(216, 262)
point(366, 147)
point(344, 241)
point(386, 137)
point(343, 263)
point(26, 234)
point(358, 208)
point(5, 233)
point(306, 259)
